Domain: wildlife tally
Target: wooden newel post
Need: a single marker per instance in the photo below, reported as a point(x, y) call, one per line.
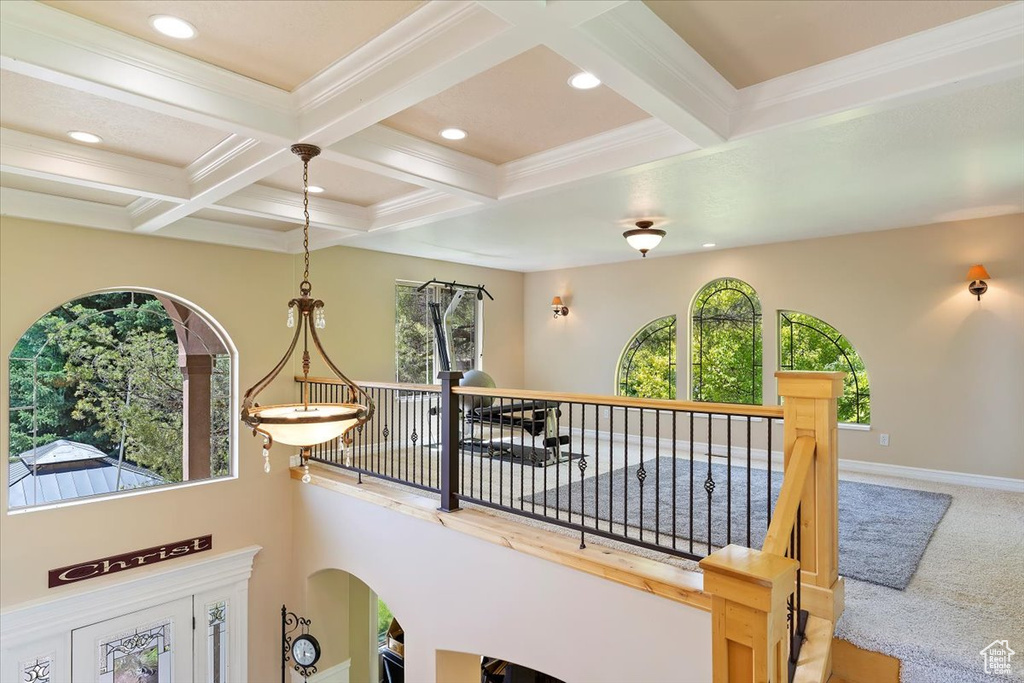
point(749, 634)
point(449, 441)
point(810, 409)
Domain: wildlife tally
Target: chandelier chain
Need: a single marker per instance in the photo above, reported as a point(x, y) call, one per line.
point(305, 214)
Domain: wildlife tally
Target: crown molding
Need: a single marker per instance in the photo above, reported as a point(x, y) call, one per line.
point(417, 208)
point(227, 234)
point(624, 147)
point(269, 202)
point(66, 162)
point(53, 209)
point(974, 51)
point(223, 153)
point(436, 47)
point(59, 47)
point(386, 151)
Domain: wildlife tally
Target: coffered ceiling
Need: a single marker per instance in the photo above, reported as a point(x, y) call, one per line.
point(743, 121)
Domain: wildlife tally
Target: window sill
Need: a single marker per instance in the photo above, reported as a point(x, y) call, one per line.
point(121, 494)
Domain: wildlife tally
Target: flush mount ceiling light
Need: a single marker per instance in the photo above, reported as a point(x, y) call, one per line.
point(305, 424)
point(172, 27)
point(584, 81)
point(316, 189)
point(644, 237)
point(453, 134)
point(83, 136)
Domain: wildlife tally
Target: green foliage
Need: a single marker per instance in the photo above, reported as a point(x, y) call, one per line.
point(726, 343)
point(647, 368)
point(384, 617)
point(414, 333)
point(105, 369)
point(808, 343)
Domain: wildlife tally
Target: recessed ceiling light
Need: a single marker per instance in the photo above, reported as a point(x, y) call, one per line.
point(316, 189)
point(584, 81)
point(82, 136)
point(172, 27)
point(708, 245)
point(453, 134)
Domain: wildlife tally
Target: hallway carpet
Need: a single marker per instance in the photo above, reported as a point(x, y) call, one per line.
point(883, 530)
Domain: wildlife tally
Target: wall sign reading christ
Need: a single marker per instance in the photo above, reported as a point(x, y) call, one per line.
point(138, 558)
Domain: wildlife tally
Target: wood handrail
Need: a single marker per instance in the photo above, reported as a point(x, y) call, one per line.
point(784, 517)
point(431, 388)
point(625, 402)
point(737, 409)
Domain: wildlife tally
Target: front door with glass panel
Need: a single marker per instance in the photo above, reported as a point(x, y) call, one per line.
point(149, 646)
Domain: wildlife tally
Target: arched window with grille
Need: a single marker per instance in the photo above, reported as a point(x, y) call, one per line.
point(115, 391)
point(647, 366)
point(809, 343)
point(726, 343)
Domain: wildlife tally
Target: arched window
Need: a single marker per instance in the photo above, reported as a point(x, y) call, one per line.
point(647, 366)
point(726, 343)
point(115, 391)
point(808, 343)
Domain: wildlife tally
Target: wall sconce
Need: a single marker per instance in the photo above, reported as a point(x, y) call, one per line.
point(977, 276)
point(558, 308)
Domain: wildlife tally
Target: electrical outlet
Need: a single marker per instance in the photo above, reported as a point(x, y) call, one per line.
point(883, 439)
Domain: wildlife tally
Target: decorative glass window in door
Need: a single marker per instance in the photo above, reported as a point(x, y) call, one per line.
point(217, 641)
point(37, 670)
point(139, 656)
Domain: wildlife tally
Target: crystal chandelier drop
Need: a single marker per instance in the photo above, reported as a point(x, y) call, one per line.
point(305, 424)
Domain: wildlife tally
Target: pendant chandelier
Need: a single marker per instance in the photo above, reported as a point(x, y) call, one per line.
point(305, 424)
point(644, 237)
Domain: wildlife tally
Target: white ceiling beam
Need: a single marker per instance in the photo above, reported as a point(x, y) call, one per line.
point(628, 146)
point(216, 232)
point(417, 208)
point(969, 53)
point(435, 48)
point(634, 53)
point(53, 209)
point(389, 152)
point(65, 162)
point(59, 47)
point(269, 202)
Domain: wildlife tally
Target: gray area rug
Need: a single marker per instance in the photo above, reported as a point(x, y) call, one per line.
point(883, 531)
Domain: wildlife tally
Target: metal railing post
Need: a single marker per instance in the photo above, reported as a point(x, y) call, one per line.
point(449, 441)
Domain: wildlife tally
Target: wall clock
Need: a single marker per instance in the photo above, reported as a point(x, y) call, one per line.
point(302, 649)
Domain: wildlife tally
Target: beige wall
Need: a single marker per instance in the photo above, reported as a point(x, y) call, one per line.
point(246, 291)
point(947, 373)
point(363, 328)
point(42, 266)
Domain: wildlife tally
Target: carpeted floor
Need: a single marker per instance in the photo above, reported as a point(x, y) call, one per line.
point(968, 591)
point(883, 530)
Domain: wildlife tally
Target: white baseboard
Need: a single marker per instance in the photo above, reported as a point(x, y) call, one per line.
point(759, 456)
point(983, 481)
point(336, 674)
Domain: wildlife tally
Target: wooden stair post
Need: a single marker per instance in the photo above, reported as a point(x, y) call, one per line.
point(749, 635)
point(810, 409)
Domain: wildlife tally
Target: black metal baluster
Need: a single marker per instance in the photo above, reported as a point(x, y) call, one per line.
point(625, 472)
point(558, 464)
point(641, 474)
point(611, 465)
point(691, 482)
point(675, 459)
point(728, 479)
point(657, 477)
point(709, 483)
point(501, 462)
point(749, 472)
point(583, 470)
point(769, 421)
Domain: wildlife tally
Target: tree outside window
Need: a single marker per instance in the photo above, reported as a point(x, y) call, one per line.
point(415, 349)
point(809, 343)
point(647, 366)
point(726, 343)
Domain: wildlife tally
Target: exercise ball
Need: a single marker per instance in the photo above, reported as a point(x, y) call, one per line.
point(480, 380)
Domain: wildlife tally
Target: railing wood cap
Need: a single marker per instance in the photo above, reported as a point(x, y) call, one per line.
point(806, 384)
point(751, 565)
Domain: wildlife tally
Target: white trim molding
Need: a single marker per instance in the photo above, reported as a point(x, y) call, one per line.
point(982, 481)
point(339, 673)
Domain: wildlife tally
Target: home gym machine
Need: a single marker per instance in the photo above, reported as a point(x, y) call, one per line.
point(528, 419)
